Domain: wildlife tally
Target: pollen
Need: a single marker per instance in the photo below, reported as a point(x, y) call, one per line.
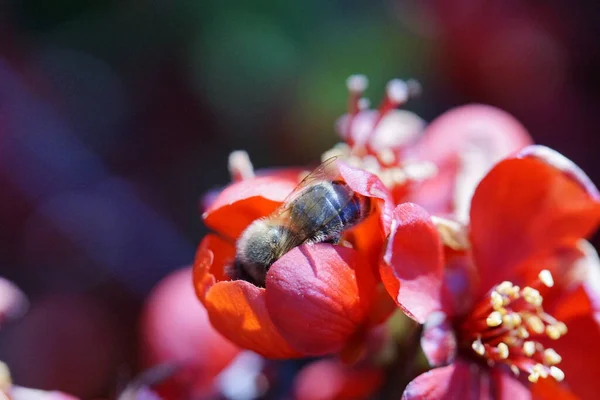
point(509, 327)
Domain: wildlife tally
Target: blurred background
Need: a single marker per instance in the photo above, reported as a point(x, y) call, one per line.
point(116, 116)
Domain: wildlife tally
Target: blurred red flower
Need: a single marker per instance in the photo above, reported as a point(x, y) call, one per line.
point(331, 379)
point(308, 285)
point(436, 166)
point(175, 330)
point(498, 293)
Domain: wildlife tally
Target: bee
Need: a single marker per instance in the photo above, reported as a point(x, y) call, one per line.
point(318, 210)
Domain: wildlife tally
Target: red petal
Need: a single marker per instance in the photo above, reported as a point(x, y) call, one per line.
point(438, 341)
point(549, 389)
point(580, 352)
point(212, 257)
point(456, 130)
point(459, 380)
point(526, 207)
point(238, 311)
point(242, 202)
point(331, 380)
point(490, 132)
point(412, 266)
point(318, 296)
point(507, 387)
point(369, 185)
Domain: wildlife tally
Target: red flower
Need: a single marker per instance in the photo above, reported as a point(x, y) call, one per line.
point(175, 330)
point(308, 285)
point(330, 379)
point(509, 307)
point(436, 166)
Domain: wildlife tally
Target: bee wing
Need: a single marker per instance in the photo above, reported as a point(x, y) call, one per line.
point(327, 171)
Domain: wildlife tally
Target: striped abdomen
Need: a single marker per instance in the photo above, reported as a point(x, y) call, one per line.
point(321, 212)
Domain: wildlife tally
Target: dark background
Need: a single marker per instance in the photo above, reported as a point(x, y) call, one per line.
point(115, 116)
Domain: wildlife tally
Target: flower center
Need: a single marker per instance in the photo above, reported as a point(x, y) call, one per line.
point(507, 325)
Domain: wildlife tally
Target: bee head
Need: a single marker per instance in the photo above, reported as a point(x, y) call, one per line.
point(259, 246)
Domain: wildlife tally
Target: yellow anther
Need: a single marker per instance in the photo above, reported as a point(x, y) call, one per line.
point(504, 287)
point(478, 347)
point(546, 278)
point(511, 321)
point(541, 370)
point(502, 350)
point(551, 357)
point(557, 373)
point(533, 377)
point(522, 332)
point(562, 327)
point(515, 292)
point(514, 369)
point(529, 348)
point(496, 300)
point(535, 324)
point(494, 319)
point(553, 332)
point(532, 296)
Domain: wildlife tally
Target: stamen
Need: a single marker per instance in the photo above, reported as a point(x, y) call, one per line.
point(532, 296)
point(504, 288)
point(529, 348)
point(551, 357)
point(553, 332)
point(546, 278)
point(514, 369)
point(533, 377)
point(240, 166)
point(494, 319)
point(478, 347)
point(357, 83)
point(507, 326)
point(397, 91)
point(557, 373)
point(496, 300)
point(535, 324)
point(502, 351)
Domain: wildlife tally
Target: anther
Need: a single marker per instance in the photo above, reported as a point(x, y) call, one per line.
point(357, 83)
point(511, 321)
point(551, 357)
point(553, 332)
point(397, 91)
point(478, 347)
point(546, 278)
point(494, 319)
point(562, 327)
point(504, 287)
point(557, 373)
point(529, 348)
point(496, 300)
point(532, 296)
point(502, 350)
point(535, 324)
point(515, 369)
point(522, 332)
point(533, 377)
point(240, 166)
point(363, 103)
point(541, 370)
